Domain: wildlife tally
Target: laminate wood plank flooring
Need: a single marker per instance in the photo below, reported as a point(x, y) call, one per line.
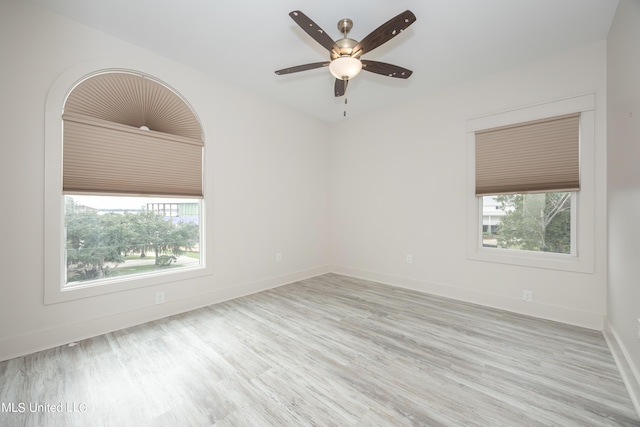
point(326, 351)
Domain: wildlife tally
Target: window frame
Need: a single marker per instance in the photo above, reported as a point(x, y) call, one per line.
point(71, 285)
point(583, 202)
point(55, 288)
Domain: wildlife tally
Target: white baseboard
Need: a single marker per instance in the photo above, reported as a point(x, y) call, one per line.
point(535, 309)
point(61, 335)
point(628, 370)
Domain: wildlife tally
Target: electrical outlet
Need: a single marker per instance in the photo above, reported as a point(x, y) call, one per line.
point(159, 297)
point(279, 257)
point(409, 259)
point(527, 296)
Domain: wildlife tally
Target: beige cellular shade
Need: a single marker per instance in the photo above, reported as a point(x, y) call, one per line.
point(531, 157)
point(106, 152)
point(106, 157)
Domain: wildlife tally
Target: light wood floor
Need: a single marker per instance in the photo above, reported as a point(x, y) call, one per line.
point(328, 351)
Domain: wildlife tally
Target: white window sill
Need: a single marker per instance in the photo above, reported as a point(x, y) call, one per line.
point(545, 260)
point(58, 292)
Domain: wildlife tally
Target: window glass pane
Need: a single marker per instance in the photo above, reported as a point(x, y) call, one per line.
point(532, 222)
point(111, 236)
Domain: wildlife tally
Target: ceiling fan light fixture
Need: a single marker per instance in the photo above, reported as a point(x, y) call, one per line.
point(345, 53)
point(345, 67)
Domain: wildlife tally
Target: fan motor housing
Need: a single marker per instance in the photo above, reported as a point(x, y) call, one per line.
point(346, 47)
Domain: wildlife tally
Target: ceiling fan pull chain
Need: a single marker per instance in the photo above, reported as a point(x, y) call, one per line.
point(346, 85)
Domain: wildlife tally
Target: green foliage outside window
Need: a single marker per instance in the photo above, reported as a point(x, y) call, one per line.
point(535, 222)
point(97, 244)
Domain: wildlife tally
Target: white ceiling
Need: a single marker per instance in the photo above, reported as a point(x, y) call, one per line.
point(245, 41)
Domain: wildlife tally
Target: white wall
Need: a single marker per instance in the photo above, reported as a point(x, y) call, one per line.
point(398, 187)
point(623, 192)
point(267, 182)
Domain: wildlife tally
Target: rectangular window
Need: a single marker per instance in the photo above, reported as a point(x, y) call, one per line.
point(540, 222)
point(526, 174)
point(111, 236)
point(530, 185)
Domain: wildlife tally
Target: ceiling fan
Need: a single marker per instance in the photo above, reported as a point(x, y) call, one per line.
point(345, 53)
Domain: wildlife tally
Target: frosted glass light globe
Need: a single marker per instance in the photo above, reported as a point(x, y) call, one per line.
point(345, 67)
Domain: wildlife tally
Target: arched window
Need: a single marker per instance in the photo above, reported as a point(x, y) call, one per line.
point(132, 180)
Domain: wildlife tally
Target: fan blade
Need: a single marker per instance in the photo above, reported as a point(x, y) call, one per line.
point(315, 31)
point(384, 33)
point(385, 69)
point(340, 87)
point(304, 67)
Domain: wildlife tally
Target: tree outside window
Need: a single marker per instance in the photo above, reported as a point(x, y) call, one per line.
point(115, 241)
point(533, 222)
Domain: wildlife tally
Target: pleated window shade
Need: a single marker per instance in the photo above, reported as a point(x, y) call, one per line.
point(106, 151)
point(531, 157)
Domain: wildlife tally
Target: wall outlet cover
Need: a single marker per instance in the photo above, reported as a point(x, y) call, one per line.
point(159, 297)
